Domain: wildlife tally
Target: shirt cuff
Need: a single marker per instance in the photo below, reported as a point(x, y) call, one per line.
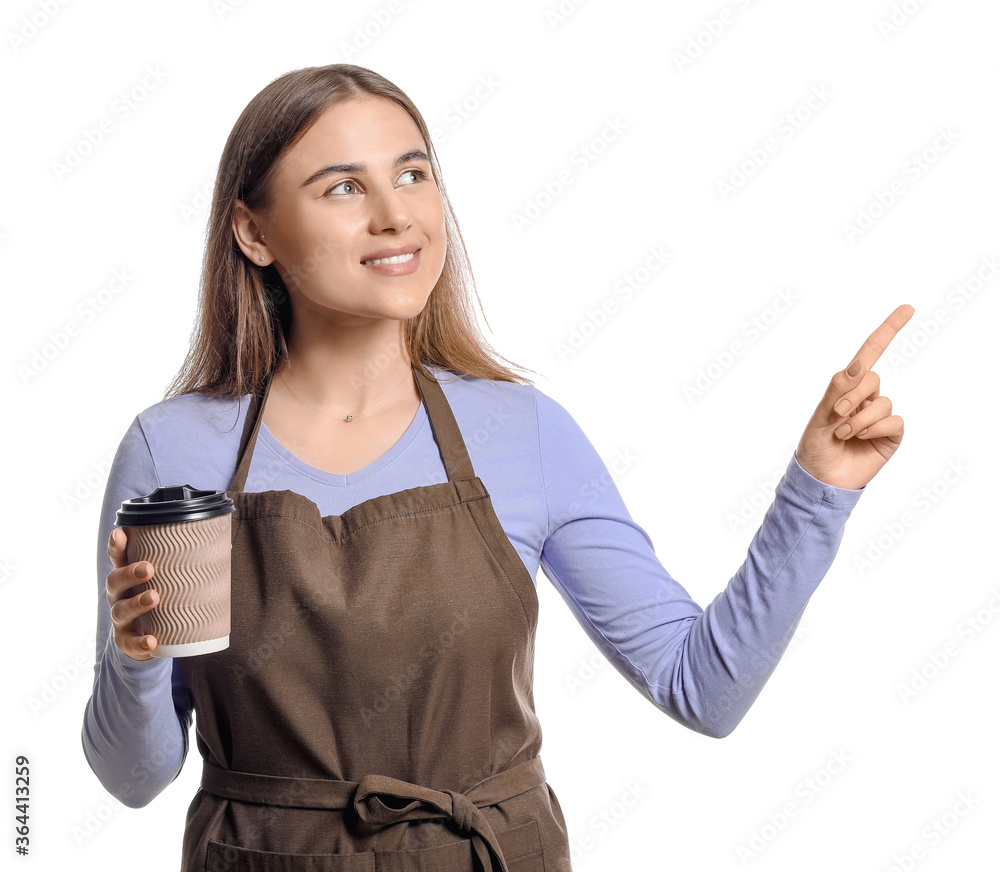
point(817, 491)
point(132, 670)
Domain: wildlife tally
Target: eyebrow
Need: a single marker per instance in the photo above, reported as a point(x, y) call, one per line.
point(406, 157)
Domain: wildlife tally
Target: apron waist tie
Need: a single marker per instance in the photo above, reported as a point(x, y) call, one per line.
point(380, 801)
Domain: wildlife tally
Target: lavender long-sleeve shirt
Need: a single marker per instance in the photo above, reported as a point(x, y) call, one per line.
point(703, 667)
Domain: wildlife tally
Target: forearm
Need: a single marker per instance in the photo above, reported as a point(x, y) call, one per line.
point(134, 738)
point(733, 647)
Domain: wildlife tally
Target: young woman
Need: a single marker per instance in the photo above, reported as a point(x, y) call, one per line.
point(397, 489)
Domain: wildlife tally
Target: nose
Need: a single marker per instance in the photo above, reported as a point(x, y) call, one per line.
point(389, 211)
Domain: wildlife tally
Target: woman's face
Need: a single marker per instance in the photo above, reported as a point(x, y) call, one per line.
point(356, 187)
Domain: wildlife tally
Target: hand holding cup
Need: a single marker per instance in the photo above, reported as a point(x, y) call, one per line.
point(126, 604)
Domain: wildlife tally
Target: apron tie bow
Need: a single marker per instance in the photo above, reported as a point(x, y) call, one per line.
point(381, 801)
point(464, 812)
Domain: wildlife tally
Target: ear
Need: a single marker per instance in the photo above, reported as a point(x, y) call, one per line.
point(247, 232)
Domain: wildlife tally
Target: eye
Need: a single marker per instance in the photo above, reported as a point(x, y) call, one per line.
point(348, 183)
point(420, 176)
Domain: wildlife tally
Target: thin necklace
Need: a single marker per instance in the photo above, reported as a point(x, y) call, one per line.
point(347, 418)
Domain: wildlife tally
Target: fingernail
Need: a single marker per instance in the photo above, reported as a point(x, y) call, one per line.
point(843, 407)
point(140, 571)
point(146, 598)
point(144, 643)
point(854, 368)
point(842, 431)
point(111, 539)
point(862, 433)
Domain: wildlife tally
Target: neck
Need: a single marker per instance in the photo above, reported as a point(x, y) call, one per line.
point(347, 369)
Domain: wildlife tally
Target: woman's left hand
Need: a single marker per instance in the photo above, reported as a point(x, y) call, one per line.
point(853, 433)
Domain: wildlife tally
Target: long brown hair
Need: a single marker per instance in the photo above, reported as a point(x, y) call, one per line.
point(244, 310)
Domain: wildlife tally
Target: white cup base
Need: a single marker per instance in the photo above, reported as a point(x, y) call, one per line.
point(189, 649)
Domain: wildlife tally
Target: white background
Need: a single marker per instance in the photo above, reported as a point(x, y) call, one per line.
point(136, 202)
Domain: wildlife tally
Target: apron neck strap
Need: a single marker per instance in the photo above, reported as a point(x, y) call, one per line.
point(452, 446)
point(249, 438)
point(454, 453)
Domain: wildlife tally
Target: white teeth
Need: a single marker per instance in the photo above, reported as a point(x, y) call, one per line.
point(399, 258)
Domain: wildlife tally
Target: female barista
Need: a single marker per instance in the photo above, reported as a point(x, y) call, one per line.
point(397, 487)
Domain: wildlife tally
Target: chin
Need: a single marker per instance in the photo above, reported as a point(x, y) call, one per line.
point(406, 306)
point(405, 313)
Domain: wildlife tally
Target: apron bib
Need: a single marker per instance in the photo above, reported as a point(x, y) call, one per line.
point(374, 711)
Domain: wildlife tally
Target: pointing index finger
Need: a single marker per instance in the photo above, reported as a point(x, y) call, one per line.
point(875, 344)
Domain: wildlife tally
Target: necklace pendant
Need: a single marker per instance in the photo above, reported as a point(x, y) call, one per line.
point(350, 418)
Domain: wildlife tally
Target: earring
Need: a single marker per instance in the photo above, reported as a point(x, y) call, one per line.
point(262, 257)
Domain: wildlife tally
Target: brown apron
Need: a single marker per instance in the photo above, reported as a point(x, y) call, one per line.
point(374, 711)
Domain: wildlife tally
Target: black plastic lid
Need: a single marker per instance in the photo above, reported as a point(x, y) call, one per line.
point(171, 505)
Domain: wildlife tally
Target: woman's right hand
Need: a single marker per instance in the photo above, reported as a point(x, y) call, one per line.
point(126, 605)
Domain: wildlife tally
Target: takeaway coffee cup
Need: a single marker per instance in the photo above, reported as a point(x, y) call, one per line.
point(186, 534)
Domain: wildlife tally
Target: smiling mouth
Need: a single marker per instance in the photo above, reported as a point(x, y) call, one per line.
point(399, 258)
